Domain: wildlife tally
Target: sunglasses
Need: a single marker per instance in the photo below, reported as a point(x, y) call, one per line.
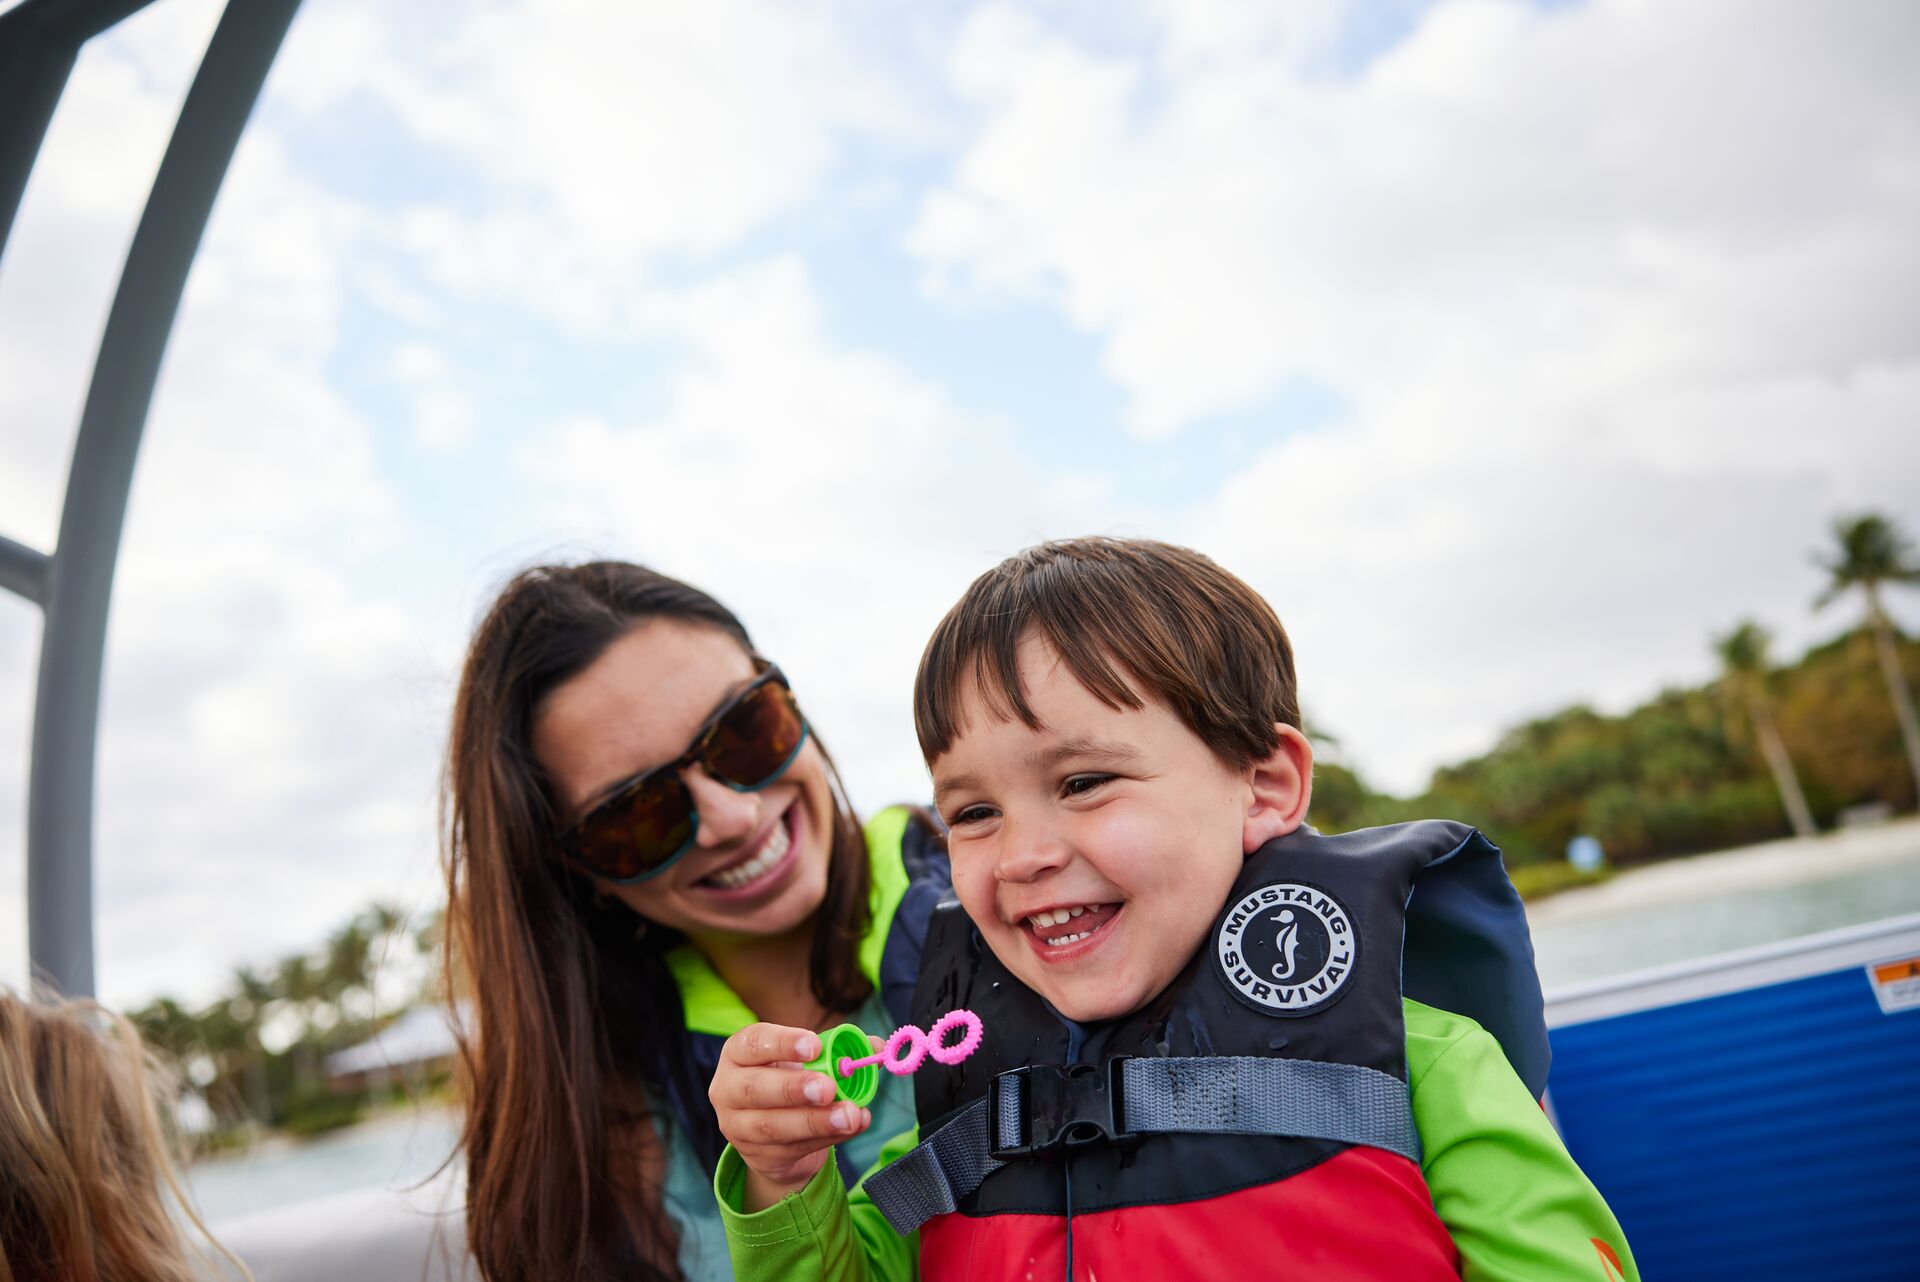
point(650, 820)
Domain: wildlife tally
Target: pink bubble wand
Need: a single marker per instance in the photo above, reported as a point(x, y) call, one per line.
point(905, 1051)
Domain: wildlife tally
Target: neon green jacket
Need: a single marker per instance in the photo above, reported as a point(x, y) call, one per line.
point(1503, 1184)
point(715, 1012)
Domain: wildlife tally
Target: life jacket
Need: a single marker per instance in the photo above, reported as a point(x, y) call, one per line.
point(907, 861)
point(1253, 1119)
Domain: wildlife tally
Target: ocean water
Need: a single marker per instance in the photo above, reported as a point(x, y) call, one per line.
point(1569, 952)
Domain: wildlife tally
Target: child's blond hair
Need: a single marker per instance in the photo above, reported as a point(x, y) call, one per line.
point(86, 1165)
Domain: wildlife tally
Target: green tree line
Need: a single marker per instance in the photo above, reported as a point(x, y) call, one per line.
point(1761, 752)
point(257, 1052)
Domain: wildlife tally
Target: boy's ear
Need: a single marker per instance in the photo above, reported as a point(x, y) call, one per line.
point(1280, 790)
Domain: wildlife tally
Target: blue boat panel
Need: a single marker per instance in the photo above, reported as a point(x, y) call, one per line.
point(1762, 1134)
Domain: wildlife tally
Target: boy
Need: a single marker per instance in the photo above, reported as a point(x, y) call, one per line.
point(1198, 1062)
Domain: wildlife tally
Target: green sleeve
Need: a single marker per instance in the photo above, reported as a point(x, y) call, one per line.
point(820, 1234)
point(1503, 1183)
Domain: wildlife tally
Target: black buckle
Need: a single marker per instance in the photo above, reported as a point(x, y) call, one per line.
point(1061, 1105)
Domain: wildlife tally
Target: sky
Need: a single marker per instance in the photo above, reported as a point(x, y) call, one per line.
point(1512, 350)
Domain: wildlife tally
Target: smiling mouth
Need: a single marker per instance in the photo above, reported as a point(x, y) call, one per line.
point(738, 876)
point(1061, 927)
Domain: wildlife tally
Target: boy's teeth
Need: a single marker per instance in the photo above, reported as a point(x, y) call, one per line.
point(1064, 940)
point(1057, 917)
point(770, 854)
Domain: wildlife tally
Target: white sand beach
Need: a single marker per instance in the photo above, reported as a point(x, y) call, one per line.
point(1747, 868)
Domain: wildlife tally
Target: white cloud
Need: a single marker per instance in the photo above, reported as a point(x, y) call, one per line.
point(266, 763)
point(605, 137)
point(835, 501)
point(1622, 299)
point(418, 363)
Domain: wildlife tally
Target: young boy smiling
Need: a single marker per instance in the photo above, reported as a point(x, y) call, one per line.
point(1203, 1056)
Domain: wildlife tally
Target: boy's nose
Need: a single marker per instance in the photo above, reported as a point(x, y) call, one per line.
point(1028, 856)
point(725, 815)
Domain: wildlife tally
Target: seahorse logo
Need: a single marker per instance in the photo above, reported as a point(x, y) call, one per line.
point(1286, 941)
point(1286, 947)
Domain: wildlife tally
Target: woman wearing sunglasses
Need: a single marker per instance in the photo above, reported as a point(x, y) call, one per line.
point(647, 848)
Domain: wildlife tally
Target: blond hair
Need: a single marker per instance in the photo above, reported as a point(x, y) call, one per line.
point(86, 1165)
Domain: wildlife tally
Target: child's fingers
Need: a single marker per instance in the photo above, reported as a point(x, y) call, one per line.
point(747, 1089)
point(771, 1044)
point(799, 1129)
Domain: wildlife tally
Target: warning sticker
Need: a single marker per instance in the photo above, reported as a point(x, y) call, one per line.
point(1896, 984)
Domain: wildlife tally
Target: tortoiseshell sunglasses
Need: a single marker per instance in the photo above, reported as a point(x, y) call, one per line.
point(650, 820)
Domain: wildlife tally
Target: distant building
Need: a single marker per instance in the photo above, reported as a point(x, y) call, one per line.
point(419, 1042)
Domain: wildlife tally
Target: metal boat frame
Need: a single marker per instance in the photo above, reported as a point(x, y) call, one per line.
point(40, 41)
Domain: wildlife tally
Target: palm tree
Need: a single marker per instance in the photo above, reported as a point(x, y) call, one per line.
point(1874, 552)
point(1743, 662)
point(252, 992)
point(349, 967)
point(167, 1026)
point(298, 984)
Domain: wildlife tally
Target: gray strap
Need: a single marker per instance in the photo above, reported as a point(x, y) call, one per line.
point(941, 1170)
point(1217, 1095)
point(1252, 1095)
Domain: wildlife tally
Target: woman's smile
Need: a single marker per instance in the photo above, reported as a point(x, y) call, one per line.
point(760, 866)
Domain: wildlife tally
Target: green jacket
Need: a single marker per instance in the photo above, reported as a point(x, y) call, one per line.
point(715, 1012)
point(1503, 1184)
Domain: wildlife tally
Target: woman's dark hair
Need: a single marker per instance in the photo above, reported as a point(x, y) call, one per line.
point(576, 1021)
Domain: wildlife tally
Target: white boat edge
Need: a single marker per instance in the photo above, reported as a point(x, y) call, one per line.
point(1863, 945)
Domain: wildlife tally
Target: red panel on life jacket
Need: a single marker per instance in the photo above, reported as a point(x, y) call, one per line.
point(1363, 1215)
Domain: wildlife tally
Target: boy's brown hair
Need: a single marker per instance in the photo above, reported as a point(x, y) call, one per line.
point(1132, 619)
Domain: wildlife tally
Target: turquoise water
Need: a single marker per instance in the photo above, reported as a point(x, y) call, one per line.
point(1597, 947)
point(396, 1153)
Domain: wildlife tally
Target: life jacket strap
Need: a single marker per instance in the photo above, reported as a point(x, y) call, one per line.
point(1040, 1108)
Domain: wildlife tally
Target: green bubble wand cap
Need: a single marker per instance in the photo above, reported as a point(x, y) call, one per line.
point(847, 1042)
point(844, 1053)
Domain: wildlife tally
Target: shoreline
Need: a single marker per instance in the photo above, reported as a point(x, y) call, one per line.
point(277, 1143)
point(1787, 862)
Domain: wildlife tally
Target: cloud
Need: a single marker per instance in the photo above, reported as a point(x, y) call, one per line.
point(594, 141)
point(832, 498)
point(1621, 298)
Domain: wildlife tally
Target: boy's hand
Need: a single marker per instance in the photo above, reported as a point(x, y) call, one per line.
point(781, 1118)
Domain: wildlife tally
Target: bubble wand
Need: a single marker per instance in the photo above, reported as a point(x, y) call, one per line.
point(856, 1079)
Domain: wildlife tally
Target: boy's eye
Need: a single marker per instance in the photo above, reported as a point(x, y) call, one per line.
point(1080, 785)
point(970, 814)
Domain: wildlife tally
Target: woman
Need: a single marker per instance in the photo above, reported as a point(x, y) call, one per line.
point(647, 848)
point(87, 1179)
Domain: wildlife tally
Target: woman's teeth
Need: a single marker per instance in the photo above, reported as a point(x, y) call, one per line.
point(770, 854)
point(1043, 922)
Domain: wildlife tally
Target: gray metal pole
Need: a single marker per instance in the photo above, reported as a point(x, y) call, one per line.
point(39, 41)
point(33, 70)
point(73, 646)
point(23, 570)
